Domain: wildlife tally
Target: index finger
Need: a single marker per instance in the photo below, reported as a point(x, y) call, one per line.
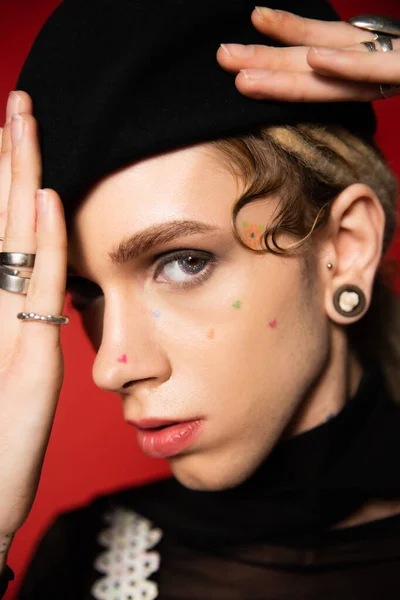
point(294, 30)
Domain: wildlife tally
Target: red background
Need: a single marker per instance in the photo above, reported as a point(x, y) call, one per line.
point(91, 449)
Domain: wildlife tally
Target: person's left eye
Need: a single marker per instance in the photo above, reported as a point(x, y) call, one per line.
point(185, 267)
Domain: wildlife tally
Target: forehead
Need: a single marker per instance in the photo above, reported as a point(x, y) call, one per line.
point(192, 183)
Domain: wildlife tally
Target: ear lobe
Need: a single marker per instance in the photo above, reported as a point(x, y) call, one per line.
point(346, 304)
point(349, 301)
point(357, 224)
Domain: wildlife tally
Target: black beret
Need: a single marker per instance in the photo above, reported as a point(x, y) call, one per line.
point(114, 81)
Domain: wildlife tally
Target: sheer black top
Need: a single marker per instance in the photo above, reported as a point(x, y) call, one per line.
point(272, 537)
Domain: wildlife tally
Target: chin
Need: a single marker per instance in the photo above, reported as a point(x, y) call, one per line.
point(202, 472)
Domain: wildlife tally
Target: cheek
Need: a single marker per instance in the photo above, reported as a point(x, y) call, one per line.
point(252, 381)
point(233, 343)
point(241, 335)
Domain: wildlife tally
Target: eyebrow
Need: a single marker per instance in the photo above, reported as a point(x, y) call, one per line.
point(147, 239)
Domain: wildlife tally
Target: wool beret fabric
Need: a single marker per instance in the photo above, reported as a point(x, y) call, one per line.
point(114, 81)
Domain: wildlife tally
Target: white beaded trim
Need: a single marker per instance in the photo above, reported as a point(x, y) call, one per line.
point(126, 562)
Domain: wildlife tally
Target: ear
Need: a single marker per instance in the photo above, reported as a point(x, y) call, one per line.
point(353, 246)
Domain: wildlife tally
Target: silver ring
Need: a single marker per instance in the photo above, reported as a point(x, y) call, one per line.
point(385, 42)
point(383, 27)
point(387, 89)
point(370, 46)
point(379, 24)
point(15, 272)
point(51, 319)
point(17, 259)
point(14, 284)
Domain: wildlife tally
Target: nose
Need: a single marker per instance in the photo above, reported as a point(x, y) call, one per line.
point(130, 352)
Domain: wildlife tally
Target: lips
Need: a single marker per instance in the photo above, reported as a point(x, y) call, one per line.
point(153, 423)
point(160, 438)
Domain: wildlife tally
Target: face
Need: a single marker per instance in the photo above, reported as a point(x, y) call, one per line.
point(189, 326)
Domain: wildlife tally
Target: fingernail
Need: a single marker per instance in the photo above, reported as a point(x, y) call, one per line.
point(324, 51)
point(13, 104)
point(255, 73)
point(264, 13)
point(238, 50)
point(42, 199)
point(259, 12)
point(223, 46)
point(17, 129)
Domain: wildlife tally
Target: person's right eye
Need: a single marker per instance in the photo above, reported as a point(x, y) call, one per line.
point(83, 292)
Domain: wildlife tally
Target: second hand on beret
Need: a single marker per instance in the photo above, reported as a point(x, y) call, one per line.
point(118, 80)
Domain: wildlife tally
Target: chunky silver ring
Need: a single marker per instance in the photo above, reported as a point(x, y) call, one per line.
point(379, 24)
point(17, 259)
point(16, 272)
point(51, 319)
point(14, 284)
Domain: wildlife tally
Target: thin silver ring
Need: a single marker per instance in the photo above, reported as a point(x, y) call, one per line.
point(385, 28)
point(14, 284)
point(17, 259)
point(51, 319)
point(387, 89)
point(371, 46)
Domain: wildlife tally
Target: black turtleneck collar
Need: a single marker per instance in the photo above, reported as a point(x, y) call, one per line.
point(307, 484)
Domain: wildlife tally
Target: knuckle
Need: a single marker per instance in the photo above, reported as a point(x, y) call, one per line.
point(34, 292)
point(28, 118)
point(4, 148)
point(40, 296)
point(49, 246)
point(299, 94)
point(17, 171)
point(281, 16)
point(263, 53)
point(288, 20)
point(306, 30)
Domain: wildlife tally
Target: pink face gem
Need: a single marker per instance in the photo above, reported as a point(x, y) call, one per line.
point(122, 359)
